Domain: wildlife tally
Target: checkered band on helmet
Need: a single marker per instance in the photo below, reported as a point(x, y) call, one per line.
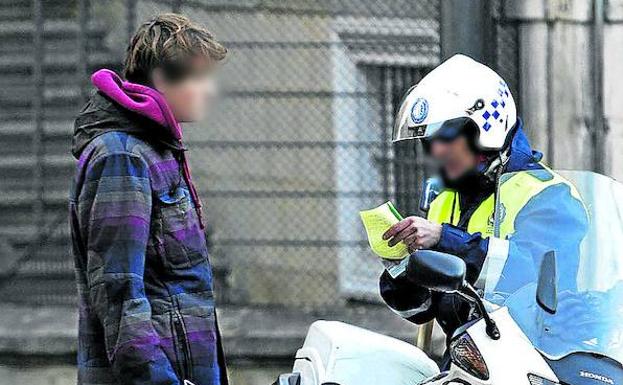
point(492, 111)
point(459, 88)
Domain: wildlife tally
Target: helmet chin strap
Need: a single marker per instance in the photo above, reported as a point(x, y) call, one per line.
point(494, 173)
point(496, 166)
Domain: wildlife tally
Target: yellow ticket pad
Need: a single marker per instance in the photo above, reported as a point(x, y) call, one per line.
point(376, 222)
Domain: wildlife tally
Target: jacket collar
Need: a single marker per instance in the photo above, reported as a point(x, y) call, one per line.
point(522, 156)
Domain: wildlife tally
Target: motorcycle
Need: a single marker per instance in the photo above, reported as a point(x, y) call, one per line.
point(532, 328)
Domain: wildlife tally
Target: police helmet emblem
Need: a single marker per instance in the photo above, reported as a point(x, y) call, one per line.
point(419, 111)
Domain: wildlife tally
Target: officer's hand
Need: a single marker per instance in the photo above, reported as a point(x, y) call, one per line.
point(415, 232)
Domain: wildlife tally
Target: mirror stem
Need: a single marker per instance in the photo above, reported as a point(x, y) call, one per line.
point(491, 328)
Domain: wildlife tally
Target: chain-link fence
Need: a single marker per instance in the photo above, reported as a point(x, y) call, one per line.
point(299, 143)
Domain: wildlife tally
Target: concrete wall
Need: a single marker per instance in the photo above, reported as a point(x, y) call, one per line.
point(557, 93)
point(613, 86)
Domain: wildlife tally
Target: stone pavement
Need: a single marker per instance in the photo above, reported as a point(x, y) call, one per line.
point(266, 333)
point(37, 345)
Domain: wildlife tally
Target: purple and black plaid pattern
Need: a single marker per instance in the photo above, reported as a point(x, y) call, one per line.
point(147, 313)
point(493, 110)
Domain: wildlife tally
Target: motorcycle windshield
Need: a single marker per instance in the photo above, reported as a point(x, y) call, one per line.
point(587, 240)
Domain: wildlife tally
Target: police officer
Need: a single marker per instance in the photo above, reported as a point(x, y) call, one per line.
point(466, 116)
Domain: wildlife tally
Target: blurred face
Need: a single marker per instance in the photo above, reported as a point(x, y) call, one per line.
point(189, 98)
point(456, 157)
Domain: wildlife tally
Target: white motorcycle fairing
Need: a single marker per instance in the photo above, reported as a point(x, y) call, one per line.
point(338, 353)
point(509, 360)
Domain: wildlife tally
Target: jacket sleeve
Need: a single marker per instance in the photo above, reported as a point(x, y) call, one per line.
point(552, 220)
point(116, 206)
point(406, 299)
point(472, 248)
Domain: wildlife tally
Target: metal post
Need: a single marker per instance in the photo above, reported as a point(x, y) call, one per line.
point(424, 337)
point(386, 118)
point(490, 32)
point(131, 17)
point(37, 115)
point(82, 66)
point(551, 105)
point(177, 6)
point(463, 28)
point(599, 124)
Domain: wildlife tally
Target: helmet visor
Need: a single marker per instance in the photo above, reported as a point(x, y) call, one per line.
point(446, 130)
point(405, 131)
point(410, 121)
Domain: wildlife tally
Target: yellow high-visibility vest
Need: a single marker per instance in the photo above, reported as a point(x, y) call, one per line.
point(514, 193)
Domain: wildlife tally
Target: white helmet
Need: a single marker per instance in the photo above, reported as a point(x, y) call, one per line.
point(460, 87)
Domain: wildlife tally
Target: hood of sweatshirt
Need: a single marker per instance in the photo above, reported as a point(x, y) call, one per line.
point(119, 105)
point(123, 106)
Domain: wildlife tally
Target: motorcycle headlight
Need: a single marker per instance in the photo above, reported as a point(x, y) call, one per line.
point(536, 380)
point(466, 356)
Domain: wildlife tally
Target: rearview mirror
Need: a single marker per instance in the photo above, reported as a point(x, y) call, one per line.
point(436, 271)
point(547, 287)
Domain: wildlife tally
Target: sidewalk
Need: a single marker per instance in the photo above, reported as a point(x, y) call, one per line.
point(248, 333)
